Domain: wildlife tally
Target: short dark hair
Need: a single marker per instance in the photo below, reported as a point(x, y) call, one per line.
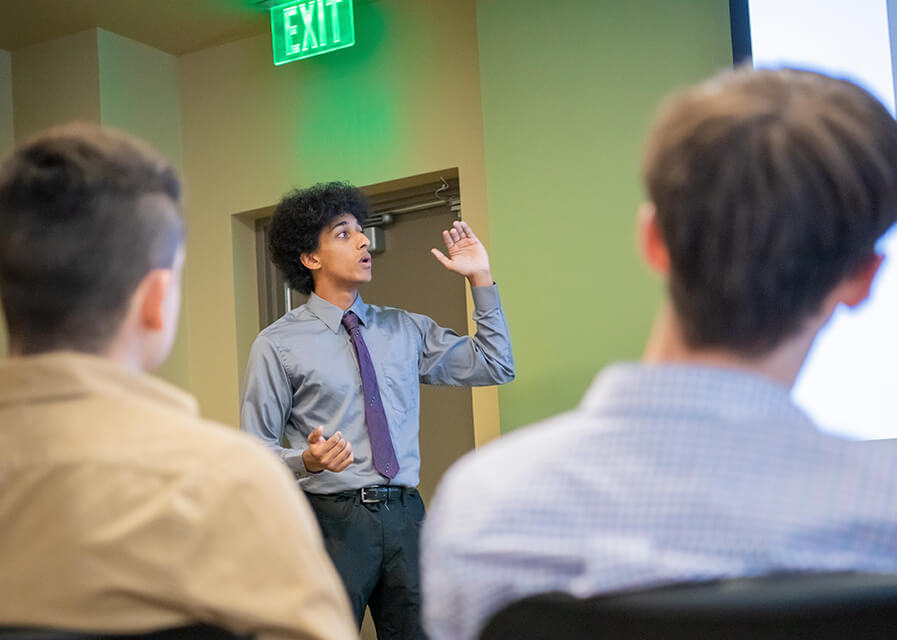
point(80, 229)
point(770, 188)
point(299, 220)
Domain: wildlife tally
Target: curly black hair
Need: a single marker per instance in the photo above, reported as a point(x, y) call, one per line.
point(299, 220)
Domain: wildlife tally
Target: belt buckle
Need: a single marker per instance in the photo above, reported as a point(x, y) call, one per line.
point(364, 494)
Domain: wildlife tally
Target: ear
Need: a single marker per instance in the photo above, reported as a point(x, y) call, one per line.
point(854, 289)
point(653, 248)
point(310, 261)
point(155, 288)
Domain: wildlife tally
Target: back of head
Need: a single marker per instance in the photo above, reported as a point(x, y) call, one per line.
point(86, 213)
point(770, 188)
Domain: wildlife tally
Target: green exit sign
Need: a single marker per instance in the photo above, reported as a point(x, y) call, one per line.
point(311, 27)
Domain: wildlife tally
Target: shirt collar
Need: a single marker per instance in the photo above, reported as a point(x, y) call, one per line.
point(50, 376)
point(683, 389)
point(331, 315)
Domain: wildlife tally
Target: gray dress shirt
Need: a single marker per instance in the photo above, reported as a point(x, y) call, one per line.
point(303, 373)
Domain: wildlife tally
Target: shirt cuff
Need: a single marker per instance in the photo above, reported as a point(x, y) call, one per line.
point(293, 459)
point(485, 298)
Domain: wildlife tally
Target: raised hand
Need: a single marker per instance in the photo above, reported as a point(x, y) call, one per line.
point(467, 255)
point(333, 453)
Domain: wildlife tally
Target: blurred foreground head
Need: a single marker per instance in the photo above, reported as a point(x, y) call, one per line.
point(769, 189)
point(91, 245)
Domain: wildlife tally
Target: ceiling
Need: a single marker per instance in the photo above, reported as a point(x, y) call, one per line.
point(174, 26)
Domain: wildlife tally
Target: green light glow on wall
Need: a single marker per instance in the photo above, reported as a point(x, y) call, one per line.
point(311, 27)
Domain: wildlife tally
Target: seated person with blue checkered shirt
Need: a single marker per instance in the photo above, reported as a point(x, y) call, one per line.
point(768, 191)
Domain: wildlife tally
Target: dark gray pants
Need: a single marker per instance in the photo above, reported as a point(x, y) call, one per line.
point(375, 548)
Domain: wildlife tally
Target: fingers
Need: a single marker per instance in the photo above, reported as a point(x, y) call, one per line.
point(332, 449)
point(321, 446)
point(333, 453)
point(441, 257)
point(466, 230)
point(342, 460)
point(458, 232)
point(316, 435)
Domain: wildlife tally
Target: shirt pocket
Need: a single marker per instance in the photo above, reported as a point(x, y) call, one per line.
point(402, 387)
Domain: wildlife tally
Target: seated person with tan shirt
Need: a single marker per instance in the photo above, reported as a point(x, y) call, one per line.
point(122, 510)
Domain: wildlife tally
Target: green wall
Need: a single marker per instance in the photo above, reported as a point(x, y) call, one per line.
point(139, 94)
point(568, 89)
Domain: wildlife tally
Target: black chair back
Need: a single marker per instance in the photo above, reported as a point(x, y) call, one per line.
point(825, 606)
point(194, 632)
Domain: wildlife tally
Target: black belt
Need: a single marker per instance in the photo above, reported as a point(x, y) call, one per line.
point(376, 493)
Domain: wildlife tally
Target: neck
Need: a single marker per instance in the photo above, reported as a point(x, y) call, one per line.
point(781, 364)
point(118, 351)
point(126, 353)
point(128, 346)
point(342, 297)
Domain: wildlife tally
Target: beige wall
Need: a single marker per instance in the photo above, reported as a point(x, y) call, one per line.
point(405, 100)
point(55, 82)
point(6, 125)
point(7, 135)
point(47, 84)
point(101, 77)
point(43, 85)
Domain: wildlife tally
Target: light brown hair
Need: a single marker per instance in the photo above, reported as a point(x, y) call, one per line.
point(770, 188)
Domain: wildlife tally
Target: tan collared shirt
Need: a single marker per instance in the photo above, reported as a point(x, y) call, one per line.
point(121, 510)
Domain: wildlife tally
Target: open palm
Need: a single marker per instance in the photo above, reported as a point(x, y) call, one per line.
point(466, 254)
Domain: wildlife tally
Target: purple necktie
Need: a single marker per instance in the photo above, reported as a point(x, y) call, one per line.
point(378, 428)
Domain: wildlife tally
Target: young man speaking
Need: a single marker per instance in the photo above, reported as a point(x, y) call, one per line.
point(339, 379)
